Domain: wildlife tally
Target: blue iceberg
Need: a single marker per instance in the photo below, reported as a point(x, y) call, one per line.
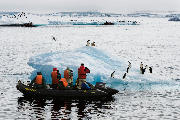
point(100, 64)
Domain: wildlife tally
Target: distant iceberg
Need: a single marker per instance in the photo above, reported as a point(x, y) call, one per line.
point(174, 19)
point(93, 22)
point(64, 18)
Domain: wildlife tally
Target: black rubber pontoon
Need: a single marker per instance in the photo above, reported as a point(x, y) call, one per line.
point(19, 25)
point(96, 92)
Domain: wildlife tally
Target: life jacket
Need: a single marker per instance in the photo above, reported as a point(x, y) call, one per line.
point(65, 83)
point(58, 76)
point(39, 79)
point(54, 77)
point(66, 74)
point(81, 72)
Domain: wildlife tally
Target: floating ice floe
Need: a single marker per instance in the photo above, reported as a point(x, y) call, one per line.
point(174, 19)
point(100, 64)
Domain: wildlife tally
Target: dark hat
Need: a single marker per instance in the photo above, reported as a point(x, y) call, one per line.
point(39, 73)
point(54, 69)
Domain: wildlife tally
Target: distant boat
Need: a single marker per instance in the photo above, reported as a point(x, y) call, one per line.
point(20, 25)
point(108, 23)
point(174, 19)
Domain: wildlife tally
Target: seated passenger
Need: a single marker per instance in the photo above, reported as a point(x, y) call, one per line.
point(58, 75)
point(54, 78)
point(68, 75)
point(62, 83)
point(38, 81)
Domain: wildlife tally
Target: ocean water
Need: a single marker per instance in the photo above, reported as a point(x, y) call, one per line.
point(155, 42)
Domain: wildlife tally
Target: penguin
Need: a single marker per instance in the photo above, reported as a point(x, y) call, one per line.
point(112, 74)
point(53, 38)
point(146, 66)
point(150, 69)
point(93, 44)
point(141, 65)
point(143, 70)
point(129, 64)
point(88, 43)
point(124, 75)
point(127, 69)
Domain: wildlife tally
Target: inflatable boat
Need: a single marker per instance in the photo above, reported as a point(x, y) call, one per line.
point(98, 91)
point(20, 25)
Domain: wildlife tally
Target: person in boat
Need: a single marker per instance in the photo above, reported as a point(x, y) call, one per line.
point(62, 83)
point(68, 75)
point(54, 77)
point(82, 71)
point(58, 75)
point(38, 81)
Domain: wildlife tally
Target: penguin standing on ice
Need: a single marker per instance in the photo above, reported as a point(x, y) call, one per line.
point(112, 74)
point(141, 68)
point(129, 64)
point(93, 44)
point(88, 43)
point(150, 69)
point(124, 75)
point(127, 69)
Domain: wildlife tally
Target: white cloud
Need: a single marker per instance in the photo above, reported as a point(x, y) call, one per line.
point(105, 5)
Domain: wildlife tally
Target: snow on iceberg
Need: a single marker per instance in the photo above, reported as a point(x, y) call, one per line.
point(100, 64)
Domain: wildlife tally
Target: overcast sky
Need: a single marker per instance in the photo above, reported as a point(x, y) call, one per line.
point(90, 5)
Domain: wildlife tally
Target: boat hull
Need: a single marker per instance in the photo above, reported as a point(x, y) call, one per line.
point(65, 93)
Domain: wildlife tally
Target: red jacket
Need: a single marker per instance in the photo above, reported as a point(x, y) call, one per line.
point(82, 72)
point(54, 77)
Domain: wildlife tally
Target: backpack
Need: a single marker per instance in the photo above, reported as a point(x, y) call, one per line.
point(85, 86)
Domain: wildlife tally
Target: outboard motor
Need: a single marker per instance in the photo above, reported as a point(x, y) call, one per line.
point(100, 85)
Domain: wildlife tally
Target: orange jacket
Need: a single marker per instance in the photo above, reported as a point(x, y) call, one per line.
point(54, 77)
point(66, 74)
point(39, 79)
point(65, 83)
